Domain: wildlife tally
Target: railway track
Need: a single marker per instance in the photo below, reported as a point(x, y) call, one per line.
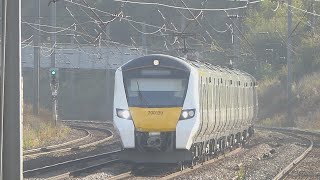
point(171, 175)
point(57, 146)
point(88, 122)
point(71, 145)
point(79, 166)
point(282, 175)
point(307, 165)
point(97, 162)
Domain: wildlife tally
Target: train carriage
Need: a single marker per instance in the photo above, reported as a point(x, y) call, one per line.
point(171, 110)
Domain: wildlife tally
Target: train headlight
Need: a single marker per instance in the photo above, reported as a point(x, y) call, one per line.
point(123, 113)
point(187, 114)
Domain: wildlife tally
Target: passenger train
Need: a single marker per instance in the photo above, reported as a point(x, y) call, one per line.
point(173, 110)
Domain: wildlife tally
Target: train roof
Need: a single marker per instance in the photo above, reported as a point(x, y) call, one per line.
point(183, 63)
point(216, 68)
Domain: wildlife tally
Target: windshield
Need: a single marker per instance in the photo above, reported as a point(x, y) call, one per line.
point(156, 88)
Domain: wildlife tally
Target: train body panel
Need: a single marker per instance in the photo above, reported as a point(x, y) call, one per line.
point(124, 127)
point(186, 129)
point(169, 107)
point(155, 119)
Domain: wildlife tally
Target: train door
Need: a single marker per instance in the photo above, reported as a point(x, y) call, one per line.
point(206, 108)
point(201, 106)
point(214, 106)
point(241, 104)
point(211, 113)
point(237, 105)
point(232, 103)
point(219, 98)
point(224, 102)
point(228, 88)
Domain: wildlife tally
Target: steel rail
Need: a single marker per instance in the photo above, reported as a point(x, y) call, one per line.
point(31, 172)
point(92, 122)
point(188, 170)
point(83, 170)
point(121, 176)
point(288, 169)
point(50, 148)
point(74, 148)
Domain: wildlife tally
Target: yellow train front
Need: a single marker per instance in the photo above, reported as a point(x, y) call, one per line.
point(160, 115)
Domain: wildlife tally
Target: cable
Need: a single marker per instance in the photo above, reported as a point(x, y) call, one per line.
point(27, 44)
point(69, 11)
point(49, 32)
point(303, 10)
point(278, 5)
point(27, 39)
point(212, 39)
point(184, 8)
point(163, 27)
point(218, 31)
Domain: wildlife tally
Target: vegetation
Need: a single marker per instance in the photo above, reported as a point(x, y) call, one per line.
point(267, 29)
point(241, 174)
point(40, 131)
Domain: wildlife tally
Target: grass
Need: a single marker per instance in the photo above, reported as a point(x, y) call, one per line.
point(40, 131)
point(241, 174)
point(277, 121)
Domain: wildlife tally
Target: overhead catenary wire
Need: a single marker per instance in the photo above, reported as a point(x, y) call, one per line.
point(303, 10)
point(160, 29)
point(184, 8)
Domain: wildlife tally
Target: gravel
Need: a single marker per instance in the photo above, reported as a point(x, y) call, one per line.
point(309, 168)
point(263, 157)
point(105, 172)
point(255, 161)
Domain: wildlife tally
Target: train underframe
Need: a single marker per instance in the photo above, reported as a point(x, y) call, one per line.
point(160, 148)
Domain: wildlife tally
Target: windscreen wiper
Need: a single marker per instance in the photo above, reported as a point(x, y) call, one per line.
point(141, 98)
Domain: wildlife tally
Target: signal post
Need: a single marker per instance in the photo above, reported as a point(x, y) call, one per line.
point(54, 86)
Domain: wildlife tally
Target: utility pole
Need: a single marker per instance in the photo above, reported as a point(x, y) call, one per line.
point(144, 39)
point(289, 64)
point(3, 50)
point(54, 88)
point(36, 62)
point(12, 129)
point(53, 35)
point(234, 35)
point(312, 18)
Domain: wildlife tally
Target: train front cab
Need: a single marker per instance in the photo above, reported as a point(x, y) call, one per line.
point(155, 109)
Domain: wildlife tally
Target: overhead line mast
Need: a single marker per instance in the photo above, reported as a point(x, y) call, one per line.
point(289, 64)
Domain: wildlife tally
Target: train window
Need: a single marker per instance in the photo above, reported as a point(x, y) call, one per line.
point(209, 79)
point(230, 81)
point(221, 81)
point(239, 83)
